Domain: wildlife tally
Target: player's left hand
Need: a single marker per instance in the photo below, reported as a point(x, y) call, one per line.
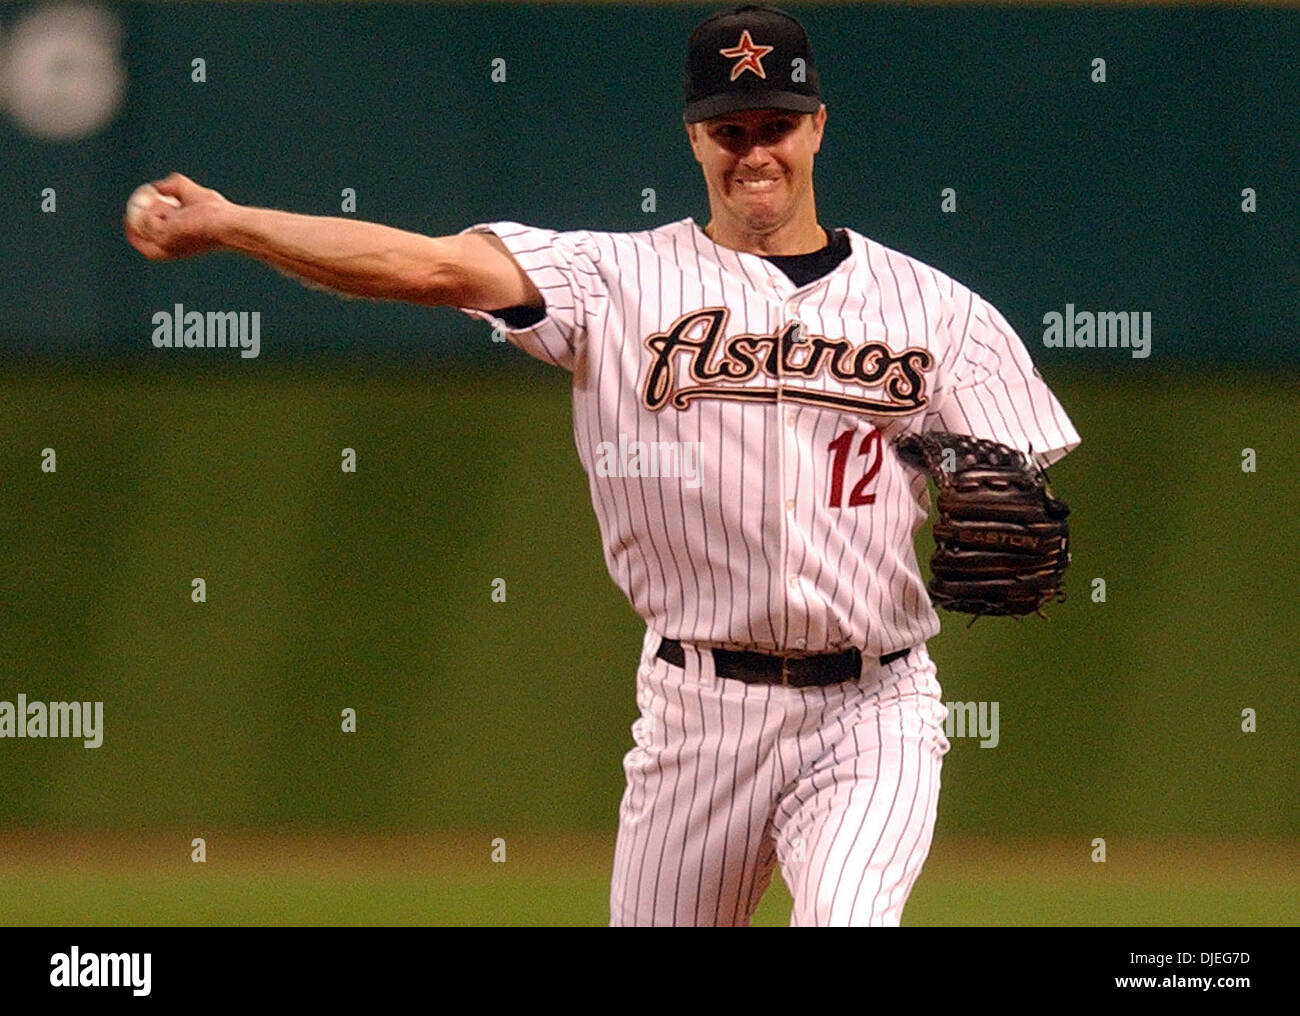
point(1002, 542)
point(165, 232)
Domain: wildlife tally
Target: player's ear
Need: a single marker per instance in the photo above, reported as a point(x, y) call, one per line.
point(819, 127)
point(691, 129)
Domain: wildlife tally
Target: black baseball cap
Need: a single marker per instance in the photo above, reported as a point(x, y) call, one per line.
point(750, 57)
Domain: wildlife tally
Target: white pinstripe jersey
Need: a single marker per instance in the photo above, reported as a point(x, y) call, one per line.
point(793, 529)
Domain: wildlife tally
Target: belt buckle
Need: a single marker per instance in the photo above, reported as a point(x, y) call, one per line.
point(785, 673)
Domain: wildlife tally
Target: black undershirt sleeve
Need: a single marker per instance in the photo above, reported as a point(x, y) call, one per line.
point(521, 317)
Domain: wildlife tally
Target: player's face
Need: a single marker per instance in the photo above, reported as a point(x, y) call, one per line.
point(758, 165)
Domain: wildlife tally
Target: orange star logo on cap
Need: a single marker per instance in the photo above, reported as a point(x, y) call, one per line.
point(751, 56)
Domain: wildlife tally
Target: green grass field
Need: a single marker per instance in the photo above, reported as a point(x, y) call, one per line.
point(547, 880)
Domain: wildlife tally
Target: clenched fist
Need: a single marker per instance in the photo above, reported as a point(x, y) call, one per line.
point(164, 231)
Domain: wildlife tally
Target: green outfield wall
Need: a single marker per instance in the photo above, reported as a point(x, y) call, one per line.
point(1122, 195)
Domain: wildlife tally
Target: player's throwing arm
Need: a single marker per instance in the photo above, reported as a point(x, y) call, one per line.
point(176, 217)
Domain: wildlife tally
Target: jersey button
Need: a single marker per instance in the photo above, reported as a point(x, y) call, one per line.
point(794, 581)
point(789, 418)
point(789, 505)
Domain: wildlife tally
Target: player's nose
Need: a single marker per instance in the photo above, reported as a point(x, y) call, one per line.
point(757, 160)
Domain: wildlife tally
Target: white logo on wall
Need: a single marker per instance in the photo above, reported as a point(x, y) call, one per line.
point(61, 76)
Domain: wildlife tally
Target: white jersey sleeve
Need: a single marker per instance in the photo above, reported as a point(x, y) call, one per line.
point(560, 266)
point(991, 389)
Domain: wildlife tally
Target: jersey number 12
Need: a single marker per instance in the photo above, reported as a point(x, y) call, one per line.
point(869, 450)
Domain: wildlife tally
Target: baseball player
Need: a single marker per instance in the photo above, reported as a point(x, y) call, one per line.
point(740, 390)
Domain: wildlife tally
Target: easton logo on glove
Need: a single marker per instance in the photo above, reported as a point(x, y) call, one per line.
point(1001, 540)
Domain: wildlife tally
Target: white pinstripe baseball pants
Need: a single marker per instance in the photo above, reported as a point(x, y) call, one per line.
point(839, 785)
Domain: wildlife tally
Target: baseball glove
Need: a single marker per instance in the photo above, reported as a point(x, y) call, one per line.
point(1001, 540)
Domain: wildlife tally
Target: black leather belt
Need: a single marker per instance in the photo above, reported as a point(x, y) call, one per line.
point(791, 671)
